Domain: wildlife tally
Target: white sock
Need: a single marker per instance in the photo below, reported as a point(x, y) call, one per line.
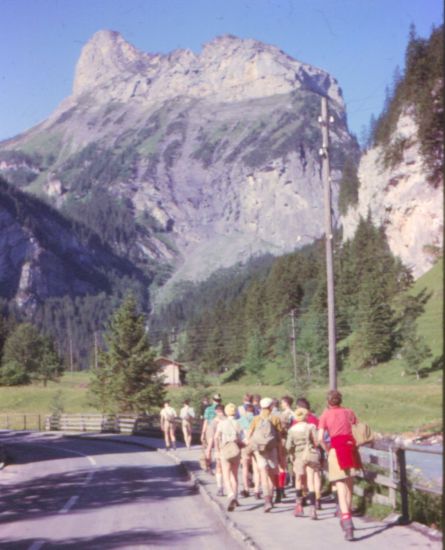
point(218, 480)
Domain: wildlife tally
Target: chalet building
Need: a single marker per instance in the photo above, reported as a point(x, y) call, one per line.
point(173, 371)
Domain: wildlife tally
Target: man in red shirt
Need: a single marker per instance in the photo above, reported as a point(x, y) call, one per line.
point(343, 456)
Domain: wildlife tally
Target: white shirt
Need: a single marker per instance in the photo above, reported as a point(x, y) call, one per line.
point(168, 414)
point(186, 413)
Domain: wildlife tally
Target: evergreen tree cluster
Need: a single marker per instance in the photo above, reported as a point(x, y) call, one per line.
point(421, 87)
point(242, 318)
point(348, 186)
point(26, 355)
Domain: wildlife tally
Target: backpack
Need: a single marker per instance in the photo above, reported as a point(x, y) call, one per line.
point(264, 436)
point(362, 433)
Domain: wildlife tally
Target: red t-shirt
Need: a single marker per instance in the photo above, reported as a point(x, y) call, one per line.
point(312, 419)
point(337, 421)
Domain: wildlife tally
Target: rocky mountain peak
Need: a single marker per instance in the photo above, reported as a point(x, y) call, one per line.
point(106, 55)
point(228, 69)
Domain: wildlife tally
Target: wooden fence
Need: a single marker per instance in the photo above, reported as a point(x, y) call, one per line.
point(386, 467)
point(21, 421)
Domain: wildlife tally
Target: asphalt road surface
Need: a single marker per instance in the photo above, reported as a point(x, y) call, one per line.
point(69, 493)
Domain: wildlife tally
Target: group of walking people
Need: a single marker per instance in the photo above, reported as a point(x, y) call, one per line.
point(275, 444)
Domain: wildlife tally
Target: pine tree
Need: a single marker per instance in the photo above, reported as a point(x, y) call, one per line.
point(255, 361)
point(349, 184)
point(127, 378)
point(374, 338)
point(28, 356)
point(412, 345)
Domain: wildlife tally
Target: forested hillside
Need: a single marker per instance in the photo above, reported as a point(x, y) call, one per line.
point(241, 319)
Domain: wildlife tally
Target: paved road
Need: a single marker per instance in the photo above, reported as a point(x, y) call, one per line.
point(68, 493)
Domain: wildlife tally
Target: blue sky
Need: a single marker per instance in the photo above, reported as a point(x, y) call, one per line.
point(360, 42)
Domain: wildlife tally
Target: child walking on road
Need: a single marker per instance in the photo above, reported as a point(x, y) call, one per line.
point(302, 442)
point(168, 426)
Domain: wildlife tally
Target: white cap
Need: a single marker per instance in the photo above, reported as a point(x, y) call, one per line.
point(266, 402)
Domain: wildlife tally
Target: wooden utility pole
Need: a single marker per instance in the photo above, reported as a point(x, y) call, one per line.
point(294, 347)
point(70, 344)
point(324, 120)
point(96, 359)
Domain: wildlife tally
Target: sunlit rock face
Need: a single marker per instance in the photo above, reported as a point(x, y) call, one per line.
point(401, 199)
point(216, 150)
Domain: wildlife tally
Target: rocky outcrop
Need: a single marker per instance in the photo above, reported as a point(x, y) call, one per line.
point(400, 199)
point(43, 255)
point(228, 69)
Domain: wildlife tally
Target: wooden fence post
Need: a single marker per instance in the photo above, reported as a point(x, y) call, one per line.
point(403, 479)
point(392, 492)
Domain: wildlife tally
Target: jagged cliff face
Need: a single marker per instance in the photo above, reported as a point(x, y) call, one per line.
point(220, 149)
point(401, 199)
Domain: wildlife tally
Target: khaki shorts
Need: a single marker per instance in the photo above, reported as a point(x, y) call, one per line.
point(232, 461)
point(335, 472)
point(267, 459)
point(299, 468)
point(187, 426)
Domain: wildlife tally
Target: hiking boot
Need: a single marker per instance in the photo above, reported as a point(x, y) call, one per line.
point(268, 504)
point(245, 494)
point(298, 510)
point(220, 492)
point(312, 512)
point(231, 505)
point(348, 528)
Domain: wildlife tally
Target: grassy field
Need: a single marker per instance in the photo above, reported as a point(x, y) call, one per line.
point(430, 323)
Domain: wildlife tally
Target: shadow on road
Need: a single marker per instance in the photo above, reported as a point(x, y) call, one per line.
point(42, 448)
point(121, 539)
point(377, 529)
point(110, 486)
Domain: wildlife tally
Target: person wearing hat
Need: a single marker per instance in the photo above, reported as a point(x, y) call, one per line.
point(343, 456)
point(313, 419)
point(228, 437)
point(264, 438)
point(206, 431)
point(302, 443)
